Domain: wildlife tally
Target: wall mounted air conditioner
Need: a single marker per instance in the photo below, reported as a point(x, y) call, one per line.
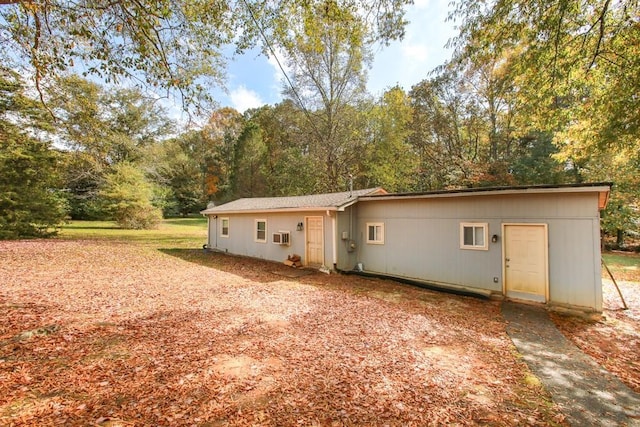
point(282, 238)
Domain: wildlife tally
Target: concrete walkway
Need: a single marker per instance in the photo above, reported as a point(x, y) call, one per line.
point(587, 394)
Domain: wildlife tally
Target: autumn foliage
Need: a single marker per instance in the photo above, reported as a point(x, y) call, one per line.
point(115, 333)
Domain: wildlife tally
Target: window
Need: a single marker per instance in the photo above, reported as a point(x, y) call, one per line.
point(473, 235)
point(261, 230)
point(375, 233)
point(224, 227)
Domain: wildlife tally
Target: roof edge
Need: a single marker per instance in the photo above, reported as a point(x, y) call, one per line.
point(275, 210)
point(602, 188)
point(350, 198)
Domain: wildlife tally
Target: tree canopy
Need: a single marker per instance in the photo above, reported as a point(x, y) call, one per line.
point(328, 55)
point(536, 93)
point(176, 46)
point(573, 69)
point(31, 203)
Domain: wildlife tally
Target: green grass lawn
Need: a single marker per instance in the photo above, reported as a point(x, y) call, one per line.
point(624, 266)
point(173, 233)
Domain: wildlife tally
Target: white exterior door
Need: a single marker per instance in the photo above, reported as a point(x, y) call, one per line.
point(315, 241)
point(526, 262)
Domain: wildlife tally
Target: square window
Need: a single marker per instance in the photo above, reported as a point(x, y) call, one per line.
point(261, 230)
point(473, 235)
point(224, 227)
point(375, 233)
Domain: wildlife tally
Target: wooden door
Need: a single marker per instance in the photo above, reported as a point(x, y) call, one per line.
point(315, 241)
point(526, 262)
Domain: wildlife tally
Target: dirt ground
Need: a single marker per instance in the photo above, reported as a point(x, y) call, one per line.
point(118, 334)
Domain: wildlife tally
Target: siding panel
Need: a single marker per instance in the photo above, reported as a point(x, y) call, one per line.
point(422, 241)
point(241, 240)
point(571, 256)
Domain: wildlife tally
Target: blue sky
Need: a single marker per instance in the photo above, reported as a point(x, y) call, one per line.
point(254, 80)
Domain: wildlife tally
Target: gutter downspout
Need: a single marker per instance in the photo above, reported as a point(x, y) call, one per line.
point(333, 241)
point(215, 231)
point(351, 222)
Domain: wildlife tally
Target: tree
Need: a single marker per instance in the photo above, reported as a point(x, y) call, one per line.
point(390, 160)
point(572, 60)
point(178, 46)
point(535, 161)
point(249, 169)
point(111, 124)
point(289, 169)
point(177, 166)
point(128, 197)
point(327, 52)
point(220, 136)
point(622, 215)
point(574, 68)
point(135, 123)
point(449, 134)
point(488, 83)
point(486, 90)
point(100, 127)
point(31, 204)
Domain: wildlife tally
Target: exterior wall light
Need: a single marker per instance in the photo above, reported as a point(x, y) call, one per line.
point(494, 238)
point(300, 226)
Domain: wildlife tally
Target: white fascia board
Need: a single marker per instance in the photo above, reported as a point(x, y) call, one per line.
point(344, 206)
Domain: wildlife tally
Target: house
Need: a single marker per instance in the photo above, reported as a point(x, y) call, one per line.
point(274, 227)
point(531, 243)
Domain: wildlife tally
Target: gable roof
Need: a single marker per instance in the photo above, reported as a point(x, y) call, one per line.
point(313, 202)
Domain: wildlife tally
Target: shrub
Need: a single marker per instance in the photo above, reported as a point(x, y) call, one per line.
point(127, 197)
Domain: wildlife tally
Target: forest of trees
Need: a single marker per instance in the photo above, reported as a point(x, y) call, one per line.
point(536, 93)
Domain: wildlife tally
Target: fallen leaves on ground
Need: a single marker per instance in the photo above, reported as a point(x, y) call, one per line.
point(612, 339)
point(114, 334)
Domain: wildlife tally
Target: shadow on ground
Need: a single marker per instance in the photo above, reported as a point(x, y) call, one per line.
point(587, 394)
point(258, 270)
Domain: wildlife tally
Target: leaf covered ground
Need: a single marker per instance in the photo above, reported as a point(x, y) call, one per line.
point(116, 333)
point(612, 339)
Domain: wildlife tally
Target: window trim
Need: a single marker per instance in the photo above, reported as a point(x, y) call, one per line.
point(255, 231)
point(282, 234)
point(474, 247)
point(222, 220)
point(380, 240)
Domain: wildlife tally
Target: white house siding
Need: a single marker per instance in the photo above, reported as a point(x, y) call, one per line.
point(574, 262)
point(347, 223)
point(422, 240)
point(242, 230)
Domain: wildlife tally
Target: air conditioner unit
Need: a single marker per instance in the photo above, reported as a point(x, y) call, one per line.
point(281, 238)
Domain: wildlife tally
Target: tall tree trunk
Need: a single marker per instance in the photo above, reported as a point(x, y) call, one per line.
point(619, 238)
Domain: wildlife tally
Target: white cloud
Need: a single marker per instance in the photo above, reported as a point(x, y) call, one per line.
point(415, 52)
point(424, 4)
point(277, 62)
point(258, 78)
point(242, 99)
point(409, 61)
point(273, 61)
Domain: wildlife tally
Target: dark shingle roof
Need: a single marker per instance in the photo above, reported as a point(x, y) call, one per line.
point(311, 202)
